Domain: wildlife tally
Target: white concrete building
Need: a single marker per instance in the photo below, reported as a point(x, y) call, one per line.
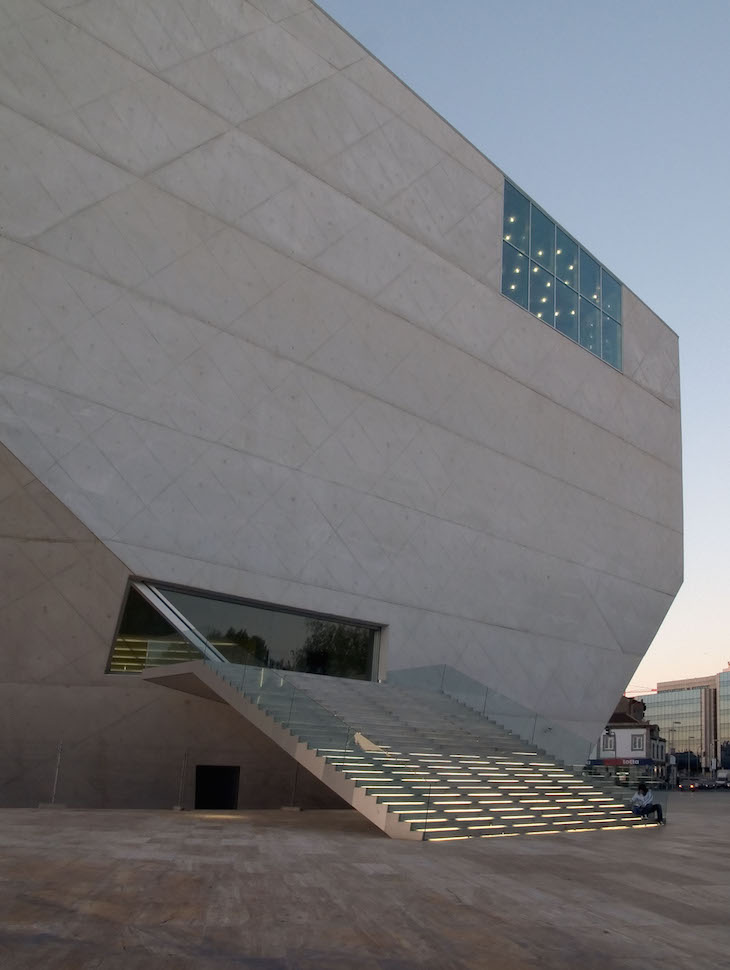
point(254, 342)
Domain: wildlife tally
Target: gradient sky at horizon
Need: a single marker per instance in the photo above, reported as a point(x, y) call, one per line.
point(615, 118)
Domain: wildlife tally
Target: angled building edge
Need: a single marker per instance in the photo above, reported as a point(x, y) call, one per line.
point(259, 342)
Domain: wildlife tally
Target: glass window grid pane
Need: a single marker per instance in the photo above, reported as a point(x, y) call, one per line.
point(546, 256)
point(608, 282)
point(566, 258)
point(580, 252)
point(611, 350)
point(513, 231)
point(542, 294)
point(589, 287)
point(512, 262)
point(566, 310)
point(589, 327)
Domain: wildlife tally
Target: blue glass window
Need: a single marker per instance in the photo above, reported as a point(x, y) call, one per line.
point(516, 218)
point(514, 275)
point(566, 310)
point(561, 283)
point(542, 240)
point(611, 341)
point(566, 259)
point(542, 293)
point(590, 278)
point(611, 295)
point(590, 327)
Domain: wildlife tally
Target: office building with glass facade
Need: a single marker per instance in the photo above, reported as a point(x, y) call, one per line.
point(292, 377)
point(694, 716)
point(723, 719)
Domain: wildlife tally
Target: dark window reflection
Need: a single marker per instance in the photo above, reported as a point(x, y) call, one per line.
point(146, 639)
point(542, 291)
point(516, 218)
point(590, 278)
point(611, 294)
point(514, 275)
point(566, 259)
point(590, 327)
point(561, 283)
point(542, 240)
point(247, 634)
point(566, 311)
point(611, 341)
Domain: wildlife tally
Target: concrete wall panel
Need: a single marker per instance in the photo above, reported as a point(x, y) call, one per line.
point(123, 743)
point(273, 360)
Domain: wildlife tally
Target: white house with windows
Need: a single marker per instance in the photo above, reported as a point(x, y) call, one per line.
point(629, 741)
point(632, 744)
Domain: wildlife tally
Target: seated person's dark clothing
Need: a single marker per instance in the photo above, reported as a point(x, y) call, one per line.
point(643, 804)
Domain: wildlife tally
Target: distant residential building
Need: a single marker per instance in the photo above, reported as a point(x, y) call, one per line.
point(694, 715)
point(631, 745)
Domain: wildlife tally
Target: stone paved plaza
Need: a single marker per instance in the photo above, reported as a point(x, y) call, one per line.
point(116, 890)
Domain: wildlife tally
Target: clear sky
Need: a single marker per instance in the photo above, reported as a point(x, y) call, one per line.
point(615, 117)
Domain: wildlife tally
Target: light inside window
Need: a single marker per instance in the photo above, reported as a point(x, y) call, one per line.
point(587, 308)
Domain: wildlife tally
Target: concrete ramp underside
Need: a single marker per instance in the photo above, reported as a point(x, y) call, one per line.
point(417, 764)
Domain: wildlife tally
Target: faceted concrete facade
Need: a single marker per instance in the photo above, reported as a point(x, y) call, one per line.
point(122, 743)
point(253, 341)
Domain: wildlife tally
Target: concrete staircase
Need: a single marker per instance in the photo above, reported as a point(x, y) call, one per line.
point(418, 764)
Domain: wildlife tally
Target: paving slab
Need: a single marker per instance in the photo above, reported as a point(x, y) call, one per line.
point(125, 890)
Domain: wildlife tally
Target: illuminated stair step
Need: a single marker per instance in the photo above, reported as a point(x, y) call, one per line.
point(501, 835)
point(456, 811)
point(422, 819)
point(396, 804)
point(437, 828)
point(469, 770)
point(449, 838)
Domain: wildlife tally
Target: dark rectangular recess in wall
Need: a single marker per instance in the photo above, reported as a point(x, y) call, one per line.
point(216, 786)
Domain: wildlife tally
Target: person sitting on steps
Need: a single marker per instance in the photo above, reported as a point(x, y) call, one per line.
point(643, 804)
